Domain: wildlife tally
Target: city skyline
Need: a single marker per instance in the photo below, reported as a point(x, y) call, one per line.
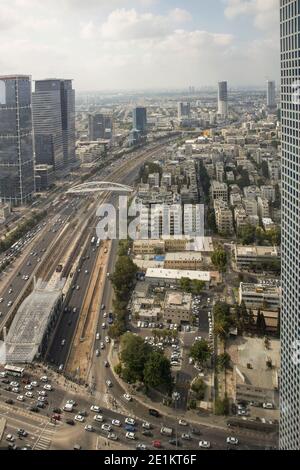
point(139, 44)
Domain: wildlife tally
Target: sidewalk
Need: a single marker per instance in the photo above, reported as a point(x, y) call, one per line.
point(215, 422)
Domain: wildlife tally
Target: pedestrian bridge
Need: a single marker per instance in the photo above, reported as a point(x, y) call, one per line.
point(99, 187)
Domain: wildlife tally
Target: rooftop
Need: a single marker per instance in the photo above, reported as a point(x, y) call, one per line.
point(28, 327)
point(169, 274)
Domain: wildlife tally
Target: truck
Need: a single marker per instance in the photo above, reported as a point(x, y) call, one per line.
point(166, 431)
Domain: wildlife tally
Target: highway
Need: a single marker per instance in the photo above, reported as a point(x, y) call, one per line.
point(38, 425)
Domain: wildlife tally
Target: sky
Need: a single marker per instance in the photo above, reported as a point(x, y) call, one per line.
point(141, 44)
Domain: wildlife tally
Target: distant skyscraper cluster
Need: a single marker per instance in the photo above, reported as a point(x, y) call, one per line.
point(184, 110)
point(223, 99)
point(35, 129)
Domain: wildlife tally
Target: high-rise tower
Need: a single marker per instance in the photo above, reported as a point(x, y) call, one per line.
point(16, 140)
point(223, 99)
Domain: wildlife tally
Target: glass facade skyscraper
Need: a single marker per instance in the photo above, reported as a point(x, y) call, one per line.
point(290, 315)
point(222, 99)
point(140, 119)
point(47, 119)
point(16, 140)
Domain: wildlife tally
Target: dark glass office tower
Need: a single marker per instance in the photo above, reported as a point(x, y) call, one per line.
point(16, 140)
point(68, 122)
point(47, 121)
point(290, 315)
point(100, 126)
point(140, 119)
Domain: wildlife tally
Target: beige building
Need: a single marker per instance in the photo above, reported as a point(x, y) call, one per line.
point(177, 307)
point(219, 191)
point(261, 296)
point(224, 218)
point(257, 386)
point(247, 256)
point(4, 211)
point(184, 260)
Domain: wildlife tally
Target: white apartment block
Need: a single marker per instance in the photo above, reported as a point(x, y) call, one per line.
point(250, 206)
point(263, 207)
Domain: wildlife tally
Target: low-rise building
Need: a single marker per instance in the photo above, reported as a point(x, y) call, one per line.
point(256, 386)
point(260, 296)
point(168, 277)
point(250, 205)
point(251, 256)
point(177, 307)
point(4, 211)
point(184, 260)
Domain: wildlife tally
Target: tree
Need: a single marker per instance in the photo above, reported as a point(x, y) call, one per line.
point(200, 352)
point(211, 220)
point(198, 286)
point(244, 179)
point(247, 234)
point(185, 284)
point(223, 320)
point(199, 388)
point(219, 259)
point(222, 407)
point(157, 372)
point(223, 361)
point(261, 323)
point(124, 276)
point(134, 355)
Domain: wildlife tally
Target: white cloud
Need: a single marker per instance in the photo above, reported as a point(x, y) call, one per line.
point(265, 12)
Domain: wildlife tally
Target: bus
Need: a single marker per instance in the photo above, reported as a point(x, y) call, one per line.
point(14, 370)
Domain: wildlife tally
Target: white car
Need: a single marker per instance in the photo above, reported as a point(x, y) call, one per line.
point(20, 398)
point(89, 428)
point(232, 440)
point(146, 425)
point(29, 394)
point(116, 422)
point(204, 444)
point(97, 336)
point(10, 438)
point(15, 390)
point(105, 315)
point(98, 418)
point(112, 436)
point(28, 387)
point(268, 406)
point(109, 384)
point(48, 387)
point(96, 409)
point(107, 339)
point(79, 418)
point(14, 384)
point(44, 378)
point(130, 421)
point(103, 326)
point(130, 436)
point(106, 427)
point(127, 397)
point(42, 393)
point(182, 422)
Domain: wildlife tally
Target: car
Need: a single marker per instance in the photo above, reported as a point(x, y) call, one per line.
point(204, 445)
point(10, 438)
point(116, 422)
point(61, 368)
point(42, 393)
point(156, 444)
point(268, 406)
point(44, 378)
point(127, 397)
point(112, 436)
point(97, 336)
point(182, 422)
point(88, 428)
point(22, 433)
point(186, 437)
point(14, 384)
point(70, 422)
point(15, 390)
point(130, 421)
point(102, 307)
point(175, 442)
point(104, 315)
point(9, 401)
point(97, 352)
point(154, 413)
point(232, 440)
point(28, 387)
point(41, 404)
point(106, 364)
point(29, 394)
point(99, 418)
point(107, 339)
point(103, 326)
point(141, 447)
point(146, 425)
point(102, 346)
point(243, 413)
point(63, 342)
point(130, 436)
point(71, 402)
point(109, 383)
point(48, 387)
point(57, 411)
point(74, 310)
point(95, 408)
point(195, 431)
point(129, 428)
point(147, 433)
point(106, 427)
point(34, 409)
point(79, 418)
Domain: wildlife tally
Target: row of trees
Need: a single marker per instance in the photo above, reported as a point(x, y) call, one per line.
point(140, 363)
point(219, 259)
point(123, 281)
point(21, 230)
point(250, 234)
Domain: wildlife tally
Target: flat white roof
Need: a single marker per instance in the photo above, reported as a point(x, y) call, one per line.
point(153, 273)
